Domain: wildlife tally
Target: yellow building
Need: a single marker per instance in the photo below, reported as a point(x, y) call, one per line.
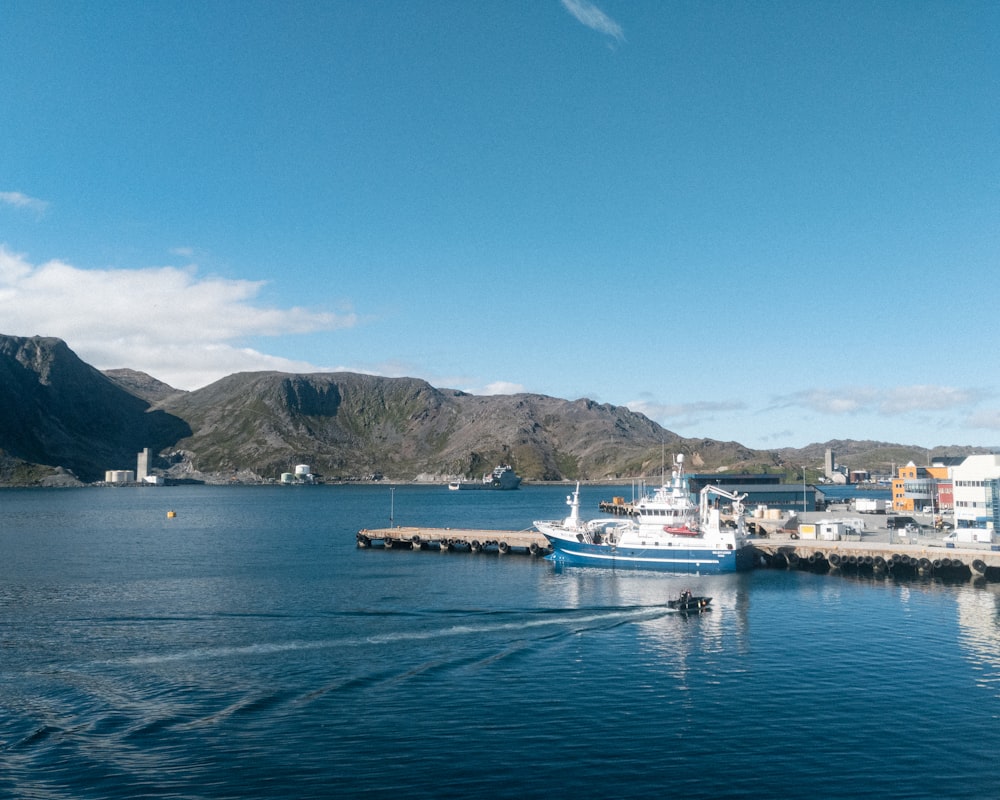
point(915, 488)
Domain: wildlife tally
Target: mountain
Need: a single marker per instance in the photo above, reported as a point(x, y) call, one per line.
point(55, 410)
point(58, 412)
point(346, 425)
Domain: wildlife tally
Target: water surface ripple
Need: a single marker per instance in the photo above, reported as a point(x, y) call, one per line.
point(247, 649)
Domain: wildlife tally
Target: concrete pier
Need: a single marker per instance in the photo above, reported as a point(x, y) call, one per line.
point(468, 539)
point(873, 547)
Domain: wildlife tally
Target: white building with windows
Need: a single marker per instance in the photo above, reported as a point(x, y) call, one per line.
point(974, 501)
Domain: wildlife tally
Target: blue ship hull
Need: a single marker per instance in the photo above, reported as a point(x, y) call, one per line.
point(675, 559)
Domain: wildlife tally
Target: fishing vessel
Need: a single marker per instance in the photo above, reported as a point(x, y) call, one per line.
point(502, 477)
point(668, 532)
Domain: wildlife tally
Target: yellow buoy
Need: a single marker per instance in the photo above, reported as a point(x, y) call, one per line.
point(171, 513)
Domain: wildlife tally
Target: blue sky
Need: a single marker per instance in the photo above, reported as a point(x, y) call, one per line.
point(770, 222)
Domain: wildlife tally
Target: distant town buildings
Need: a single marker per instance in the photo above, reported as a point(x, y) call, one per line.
point(140, 474)
point(833, 472)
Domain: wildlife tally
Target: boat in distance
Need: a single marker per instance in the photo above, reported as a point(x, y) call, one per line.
point(501, 478)
point(668, 532)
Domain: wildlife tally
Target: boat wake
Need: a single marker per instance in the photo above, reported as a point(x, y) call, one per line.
point(578, 620)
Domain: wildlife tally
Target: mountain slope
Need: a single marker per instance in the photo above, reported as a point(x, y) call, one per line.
point(141, 385)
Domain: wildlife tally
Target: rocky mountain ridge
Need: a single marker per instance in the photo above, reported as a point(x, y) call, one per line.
point(58, 413)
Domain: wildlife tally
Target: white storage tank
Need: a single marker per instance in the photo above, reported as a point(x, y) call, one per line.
point(119, 476)
point(287, 477)
point(301, 470)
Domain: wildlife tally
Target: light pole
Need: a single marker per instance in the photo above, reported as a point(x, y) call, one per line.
point(392, 503)
point(803, 489)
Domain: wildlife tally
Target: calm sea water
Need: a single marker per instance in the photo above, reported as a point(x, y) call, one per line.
point(247, 649)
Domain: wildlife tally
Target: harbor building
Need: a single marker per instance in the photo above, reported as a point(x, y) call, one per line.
point(974, 483)
point(925, 489)
point(699, 481)
point(916, 488)
point(762, 489)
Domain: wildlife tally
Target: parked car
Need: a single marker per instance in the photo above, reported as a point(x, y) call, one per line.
point(899, 523)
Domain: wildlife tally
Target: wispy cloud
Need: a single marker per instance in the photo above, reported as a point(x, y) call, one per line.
point(590, 15)
point(685, 415)
point(19, 200)
point(886, 402)
point(988, 419)
point(179, 326)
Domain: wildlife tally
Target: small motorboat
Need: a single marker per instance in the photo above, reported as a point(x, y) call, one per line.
point(690, 602)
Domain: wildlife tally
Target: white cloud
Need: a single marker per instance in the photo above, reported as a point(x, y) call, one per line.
point(590, 15)
point(19, 200)
point(502, 387)
point(180, 327)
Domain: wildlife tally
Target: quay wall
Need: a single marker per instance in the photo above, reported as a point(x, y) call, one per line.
point(777, 550)
point(922, 558)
